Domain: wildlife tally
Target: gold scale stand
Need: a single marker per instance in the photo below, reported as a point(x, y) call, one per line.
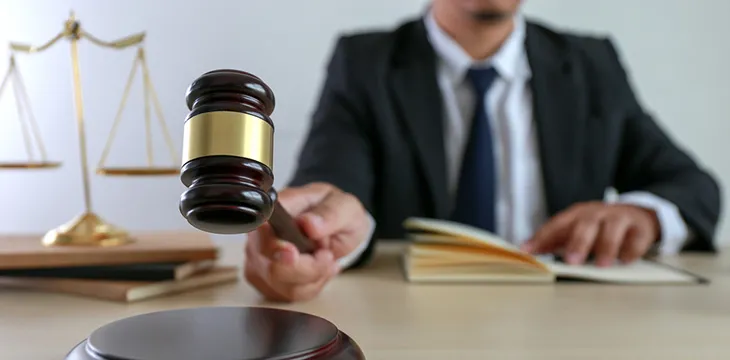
point(88, 228)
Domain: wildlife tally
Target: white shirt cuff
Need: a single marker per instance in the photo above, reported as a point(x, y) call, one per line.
point(673, 228)
point(347, 260)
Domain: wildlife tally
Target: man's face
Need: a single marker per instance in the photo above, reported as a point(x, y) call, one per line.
point(486, 10)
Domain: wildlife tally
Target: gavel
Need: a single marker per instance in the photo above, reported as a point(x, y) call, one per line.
point(227, 169)
point(228, 147)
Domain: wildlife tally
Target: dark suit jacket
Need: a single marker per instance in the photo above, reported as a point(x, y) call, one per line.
point(377, 131)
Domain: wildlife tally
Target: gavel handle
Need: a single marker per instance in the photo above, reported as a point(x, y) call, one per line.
point(285, 228)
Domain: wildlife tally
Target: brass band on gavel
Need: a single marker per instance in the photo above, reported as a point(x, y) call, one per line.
point(228, 133)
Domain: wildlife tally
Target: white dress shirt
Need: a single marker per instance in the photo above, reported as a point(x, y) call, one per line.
point(521, 207)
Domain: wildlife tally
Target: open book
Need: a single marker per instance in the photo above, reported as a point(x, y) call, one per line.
point(444, 251)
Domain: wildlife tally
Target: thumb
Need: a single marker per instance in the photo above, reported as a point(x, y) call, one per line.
point(299, 199)
point(338, 212)
point(321, 220)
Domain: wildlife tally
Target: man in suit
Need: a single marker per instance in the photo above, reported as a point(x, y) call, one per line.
point(472, 113)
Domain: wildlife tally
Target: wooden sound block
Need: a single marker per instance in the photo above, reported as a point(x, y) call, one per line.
point(239, 333)
point(27, 251)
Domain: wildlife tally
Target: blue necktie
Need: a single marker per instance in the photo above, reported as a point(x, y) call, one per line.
point(475, 198)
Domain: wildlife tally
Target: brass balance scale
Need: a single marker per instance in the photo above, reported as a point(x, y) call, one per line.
point(88, 228)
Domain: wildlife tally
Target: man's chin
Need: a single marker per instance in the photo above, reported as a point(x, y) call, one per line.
point(489, 17)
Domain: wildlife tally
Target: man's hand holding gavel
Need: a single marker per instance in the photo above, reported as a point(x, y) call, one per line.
point(334, 220)
point(227, 169)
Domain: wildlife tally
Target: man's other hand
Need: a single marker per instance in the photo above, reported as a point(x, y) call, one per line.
point(337, 223)
point(606, 231)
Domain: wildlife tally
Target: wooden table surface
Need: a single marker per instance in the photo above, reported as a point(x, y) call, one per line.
point(391, 319)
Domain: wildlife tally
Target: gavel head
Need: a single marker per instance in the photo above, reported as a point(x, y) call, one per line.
point(228, 153)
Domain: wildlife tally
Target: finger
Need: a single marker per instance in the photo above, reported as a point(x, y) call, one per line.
point(305, 269)
point(258, 268)
point(252, 251)
point(255, 267)
point(609, 240)
point(286, 253)
point(264, 242)
point(261, 240)
point(253, 276)
point(636, 244)
point(581, 240)
point(299, 199)
point(261, 249)
point(551, 235)
point(337, 212)
point(305, 292)
point(342, 245)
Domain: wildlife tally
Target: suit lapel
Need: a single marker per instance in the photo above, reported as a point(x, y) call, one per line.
point(558, 107)
point(418, 101)
point(559, 113)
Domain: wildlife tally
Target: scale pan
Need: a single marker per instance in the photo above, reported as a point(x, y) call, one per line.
point(29, 165)
point(138, 171)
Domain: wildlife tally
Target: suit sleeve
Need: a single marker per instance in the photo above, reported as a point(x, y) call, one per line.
point(650, 161)
point(338, 148)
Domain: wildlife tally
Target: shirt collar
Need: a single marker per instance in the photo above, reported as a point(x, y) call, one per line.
point(510, 60)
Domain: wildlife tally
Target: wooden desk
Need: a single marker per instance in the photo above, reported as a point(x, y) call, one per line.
point(391, 319)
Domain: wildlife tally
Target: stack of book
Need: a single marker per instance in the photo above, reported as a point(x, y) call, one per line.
point(153, 265)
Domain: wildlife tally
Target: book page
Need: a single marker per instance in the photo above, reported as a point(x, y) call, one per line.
point(442, 237)
point(460, 253)
point(474, 272)
point(638, 272)
point(458, 233)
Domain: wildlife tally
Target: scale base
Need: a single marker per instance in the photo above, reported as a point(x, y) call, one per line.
point(241, 333)
point(87, 229)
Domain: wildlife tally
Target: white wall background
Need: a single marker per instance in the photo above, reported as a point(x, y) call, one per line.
point(675, 50)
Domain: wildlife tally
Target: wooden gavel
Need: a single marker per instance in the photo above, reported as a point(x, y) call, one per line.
point(227, 158)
